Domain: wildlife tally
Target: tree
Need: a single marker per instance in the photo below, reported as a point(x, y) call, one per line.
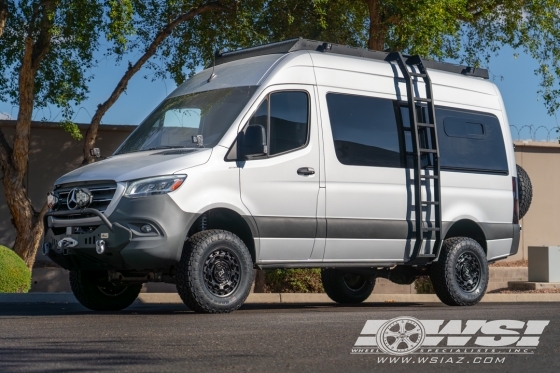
point(471, 32)
point(3, 15)
point(155, 22)
point(177, 38)
point(45, 54)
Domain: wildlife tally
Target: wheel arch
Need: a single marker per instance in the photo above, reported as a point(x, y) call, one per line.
point(467, 228)
point(227, 219)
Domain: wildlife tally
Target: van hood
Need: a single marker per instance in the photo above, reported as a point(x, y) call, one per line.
point(138, 165)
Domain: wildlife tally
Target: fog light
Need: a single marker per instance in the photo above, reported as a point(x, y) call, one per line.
point(146, 228)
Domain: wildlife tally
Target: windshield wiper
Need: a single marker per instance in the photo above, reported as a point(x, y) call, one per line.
point(167, 147)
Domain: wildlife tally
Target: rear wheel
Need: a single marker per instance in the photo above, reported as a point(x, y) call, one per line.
point(215, 272)
point(94, 291)
point(345, 287)
point(460, 276)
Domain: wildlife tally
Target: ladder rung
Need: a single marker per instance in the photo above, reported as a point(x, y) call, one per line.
point(418, 75)
point(430, 229)
point(430, 203)
point(422, 150)
point(422, 99)
point(429, 176)
point(426, 125)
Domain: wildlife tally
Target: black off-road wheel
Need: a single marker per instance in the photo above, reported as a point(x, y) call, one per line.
point(345, 287)
point(525, 191)
point(215, 272)
point(460, 276)
point(94, 291)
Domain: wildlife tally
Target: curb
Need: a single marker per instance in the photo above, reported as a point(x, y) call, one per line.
point(286, 298)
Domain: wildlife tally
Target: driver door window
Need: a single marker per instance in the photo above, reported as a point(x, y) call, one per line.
point(285, 118)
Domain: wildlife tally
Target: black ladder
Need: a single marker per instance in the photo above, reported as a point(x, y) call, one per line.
point(425, 145)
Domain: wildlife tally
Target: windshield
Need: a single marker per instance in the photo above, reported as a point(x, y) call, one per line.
point(178, 121)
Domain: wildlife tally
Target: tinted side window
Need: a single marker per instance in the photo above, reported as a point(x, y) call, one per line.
point(470, 141)
point(460, 127)
point(289, 114)
point(364, 130)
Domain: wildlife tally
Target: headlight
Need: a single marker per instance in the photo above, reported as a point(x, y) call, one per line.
point(154, 185)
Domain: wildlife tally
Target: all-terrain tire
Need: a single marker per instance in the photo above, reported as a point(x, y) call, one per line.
point(93, 291)
point(346, 288)
point(460, 276)
point(525, 191)
point(215, 272)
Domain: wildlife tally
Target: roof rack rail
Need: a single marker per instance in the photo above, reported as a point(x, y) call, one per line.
point(299, 44)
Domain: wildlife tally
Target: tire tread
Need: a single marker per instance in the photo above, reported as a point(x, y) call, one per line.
point(189, 263)
point(442, 273)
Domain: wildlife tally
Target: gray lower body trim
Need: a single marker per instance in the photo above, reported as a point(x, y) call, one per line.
point(286, 227)
point(369, 229)
point(498, 231)
point(340, 228)
point(516, 239)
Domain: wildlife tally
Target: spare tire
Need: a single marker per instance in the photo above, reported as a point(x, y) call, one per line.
point(525, 191)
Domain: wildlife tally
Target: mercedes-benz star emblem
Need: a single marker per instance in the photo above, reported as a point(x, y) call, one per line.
point(79, 198)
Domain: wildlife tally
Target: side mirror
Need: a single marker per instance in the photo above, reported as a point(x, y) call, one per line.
point(254, 141)
point(95, 152)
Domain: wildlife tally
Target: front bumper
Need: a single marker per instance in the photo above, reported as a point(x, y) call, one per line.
point(126, 246)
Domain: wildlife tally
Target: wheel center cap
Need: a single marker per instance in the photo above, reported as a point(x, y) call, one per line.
point(221, 272)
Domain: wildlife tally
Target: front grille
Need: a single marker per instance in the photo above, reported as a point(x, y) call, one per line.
point(102, 194)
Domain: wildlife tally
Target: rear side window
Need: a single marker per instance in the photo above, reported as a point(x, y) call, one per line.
point(461, 127)
point(470, 141)
point(364, 130)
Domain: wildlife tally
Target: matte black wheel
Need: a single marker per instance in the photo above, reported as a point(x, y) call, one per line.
point(525, 191)
point(346, 287)
point(460, 276)
point(215, 272)
point(94, 291)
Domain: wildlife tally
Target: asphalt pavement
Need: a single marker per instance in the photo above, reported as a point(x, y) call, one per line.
point(257, 338)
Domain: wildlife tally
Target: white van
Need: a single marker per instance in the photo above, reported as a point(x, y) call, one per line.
point(298, 154)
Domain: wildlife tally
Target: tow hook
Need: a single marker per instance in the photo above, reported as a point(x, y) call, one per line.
point(65, 243)
point(100, 246)
point(46, 248)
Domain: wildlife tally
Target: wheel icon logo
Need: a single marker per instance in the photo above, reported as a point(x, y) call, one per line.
point(401, 336)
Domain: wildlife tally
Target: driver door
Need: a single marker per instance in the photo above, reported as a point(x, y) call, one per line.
point(280, 188)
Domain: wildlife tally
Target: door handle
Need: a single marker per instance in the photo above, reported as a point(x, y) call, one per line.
point(305, 171)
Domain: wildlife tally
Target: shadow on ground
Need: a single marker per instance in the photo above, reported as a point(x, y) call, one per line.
point(57, 309)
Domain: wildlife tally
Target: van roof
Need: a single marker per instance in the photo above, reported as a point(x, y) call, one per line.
point(298, 44)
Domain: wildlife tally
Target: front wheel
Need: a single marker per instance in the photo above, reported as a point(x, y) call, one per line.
point(94, 291)
point(460, 276)
point(215, 272)
point(346, 287)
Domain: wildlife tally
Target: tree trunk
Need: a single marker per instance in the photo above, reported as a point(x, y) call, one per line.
point(13, 160)
point(377, 28)
point(3, 15)
point(91, 134)
point(27, 221)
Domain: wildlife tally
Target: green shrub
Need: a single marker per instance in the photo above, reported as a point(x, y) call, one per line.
point(423, 285)
point(15, 277)
point(293, 281)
